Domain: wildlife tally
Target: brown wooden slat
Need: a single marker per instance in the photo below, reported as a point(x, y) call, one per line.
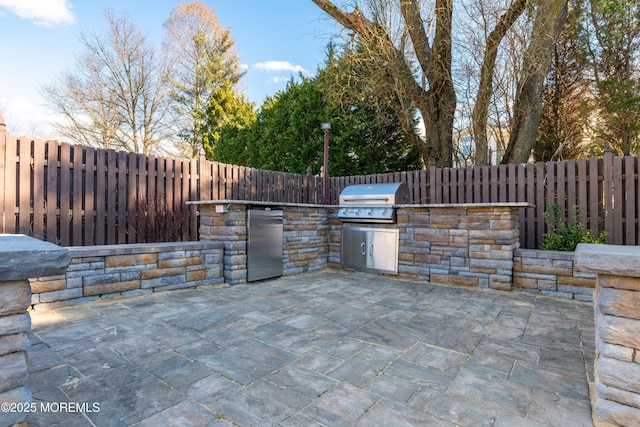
point(122, 197)
point(89, 200)
point(66, 213)
point(517, 193)
point(52, 191)
point(494, 180)
point(571, 186)
point(112, 200)
point(581, 191)
point(595, 191)
point(192, 194)
point(39, 183)
point(161, 181)
point(132, 194)
point(24, 184)
point(541, 205)
point(618, 200)
point(101, 197)
point(11, 184)
point(560, 189)
point(206, 184)
point(608, 196)
point(512, 181)
point(78, 197)
point(631, 201)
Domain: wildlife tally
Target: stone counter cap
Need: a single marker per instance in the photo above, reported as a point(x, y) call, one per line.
point(23, 257)
point(609, 259)
point(308, 205)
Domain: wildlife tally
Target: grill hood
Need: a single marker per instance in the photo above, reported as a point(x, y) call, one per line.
point(372, 202)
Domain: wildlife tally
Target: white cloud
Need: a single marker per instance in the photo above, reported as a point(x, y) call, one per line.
point(47, 13)
point(277, 66)
point(279, 79)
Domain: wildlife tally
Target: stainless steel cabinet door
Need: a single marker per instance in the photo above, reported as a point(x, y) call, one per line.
point(354, 247)
point(370, 249)
point(382, 250)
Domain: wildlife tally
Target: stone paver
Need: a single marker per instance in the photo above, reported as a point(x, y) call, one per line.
point(329, 348)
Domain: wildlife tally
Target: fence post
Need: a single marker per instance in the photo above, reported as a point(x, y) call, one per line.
point(3, 155)
point(608, 193)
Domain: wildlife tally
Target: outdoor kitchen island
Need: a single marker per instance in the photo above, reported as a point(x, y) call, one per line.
point(469, 244)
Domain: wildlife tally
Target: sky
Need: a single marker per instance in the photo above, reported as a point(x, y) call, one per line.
point(275, 40)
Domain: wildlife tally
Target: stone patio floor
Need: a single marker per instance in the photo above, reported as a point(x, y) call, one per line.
point(330, 348)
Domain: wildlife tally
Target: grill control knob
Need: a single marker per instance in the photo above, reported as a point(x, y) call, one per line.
point(370, 212)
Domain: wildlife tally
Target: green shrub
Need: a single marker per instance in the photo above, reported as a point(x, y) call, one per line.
point(564, 236)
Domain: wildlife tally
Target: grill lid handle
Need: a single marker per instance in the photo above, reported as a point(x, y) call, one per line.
point(357, 199)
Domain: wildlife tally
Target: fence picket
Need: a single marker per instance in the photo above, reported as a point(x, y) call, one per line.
point(121, 208)
point(630, 201)
point(65, 192)
point(78, 196)
point(39, 183)
point(52, 191)
point(24, 192)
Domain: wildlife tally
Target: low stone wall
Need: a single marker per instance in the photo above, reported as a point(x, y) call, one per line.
point(552, 273)
point(617, 317)
point(128, 270)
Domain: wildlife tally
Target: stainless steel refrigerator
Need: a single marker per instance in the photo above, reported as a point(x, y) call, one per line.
point(264, 243)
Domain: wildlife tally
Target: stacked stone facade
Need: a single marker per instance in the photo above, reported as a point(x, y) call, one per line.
point(459, 245)
point(230, 228)
point(129, 270)
point(21, 257)
point(617, 317)
point(305, 239)
point(552, 273)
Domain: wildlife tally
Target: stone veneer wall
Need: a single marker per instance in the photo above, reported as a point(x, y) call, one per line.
point(460, 245)
point(552, 273)
point(20, 258)
point(128, 270)
point(616, 397)
point(305, 238)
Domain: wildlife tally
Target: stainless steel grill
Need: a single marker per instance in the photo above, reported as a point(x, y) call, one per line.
point(372, 202)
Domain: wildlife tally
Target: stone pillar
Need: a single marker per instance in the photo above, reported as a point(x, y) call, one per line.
point(21, 257)
point(227, 223)
point(616, 301)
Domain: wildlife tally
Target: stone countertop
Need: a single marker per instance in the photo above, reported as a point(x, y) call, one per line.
point(257, 203)
point(469, 205)
point(23, 257)
point(310, 205)
point(610, 259)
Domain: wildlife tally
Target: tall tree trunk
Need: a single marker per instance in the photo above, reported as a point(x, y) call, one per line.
point(527, 108)
point(436, 104)
point(485, 88)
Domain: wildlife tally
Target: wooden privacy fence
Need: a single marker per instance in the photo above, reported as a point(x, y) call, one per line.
point(79, 196)
point(605, 190)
